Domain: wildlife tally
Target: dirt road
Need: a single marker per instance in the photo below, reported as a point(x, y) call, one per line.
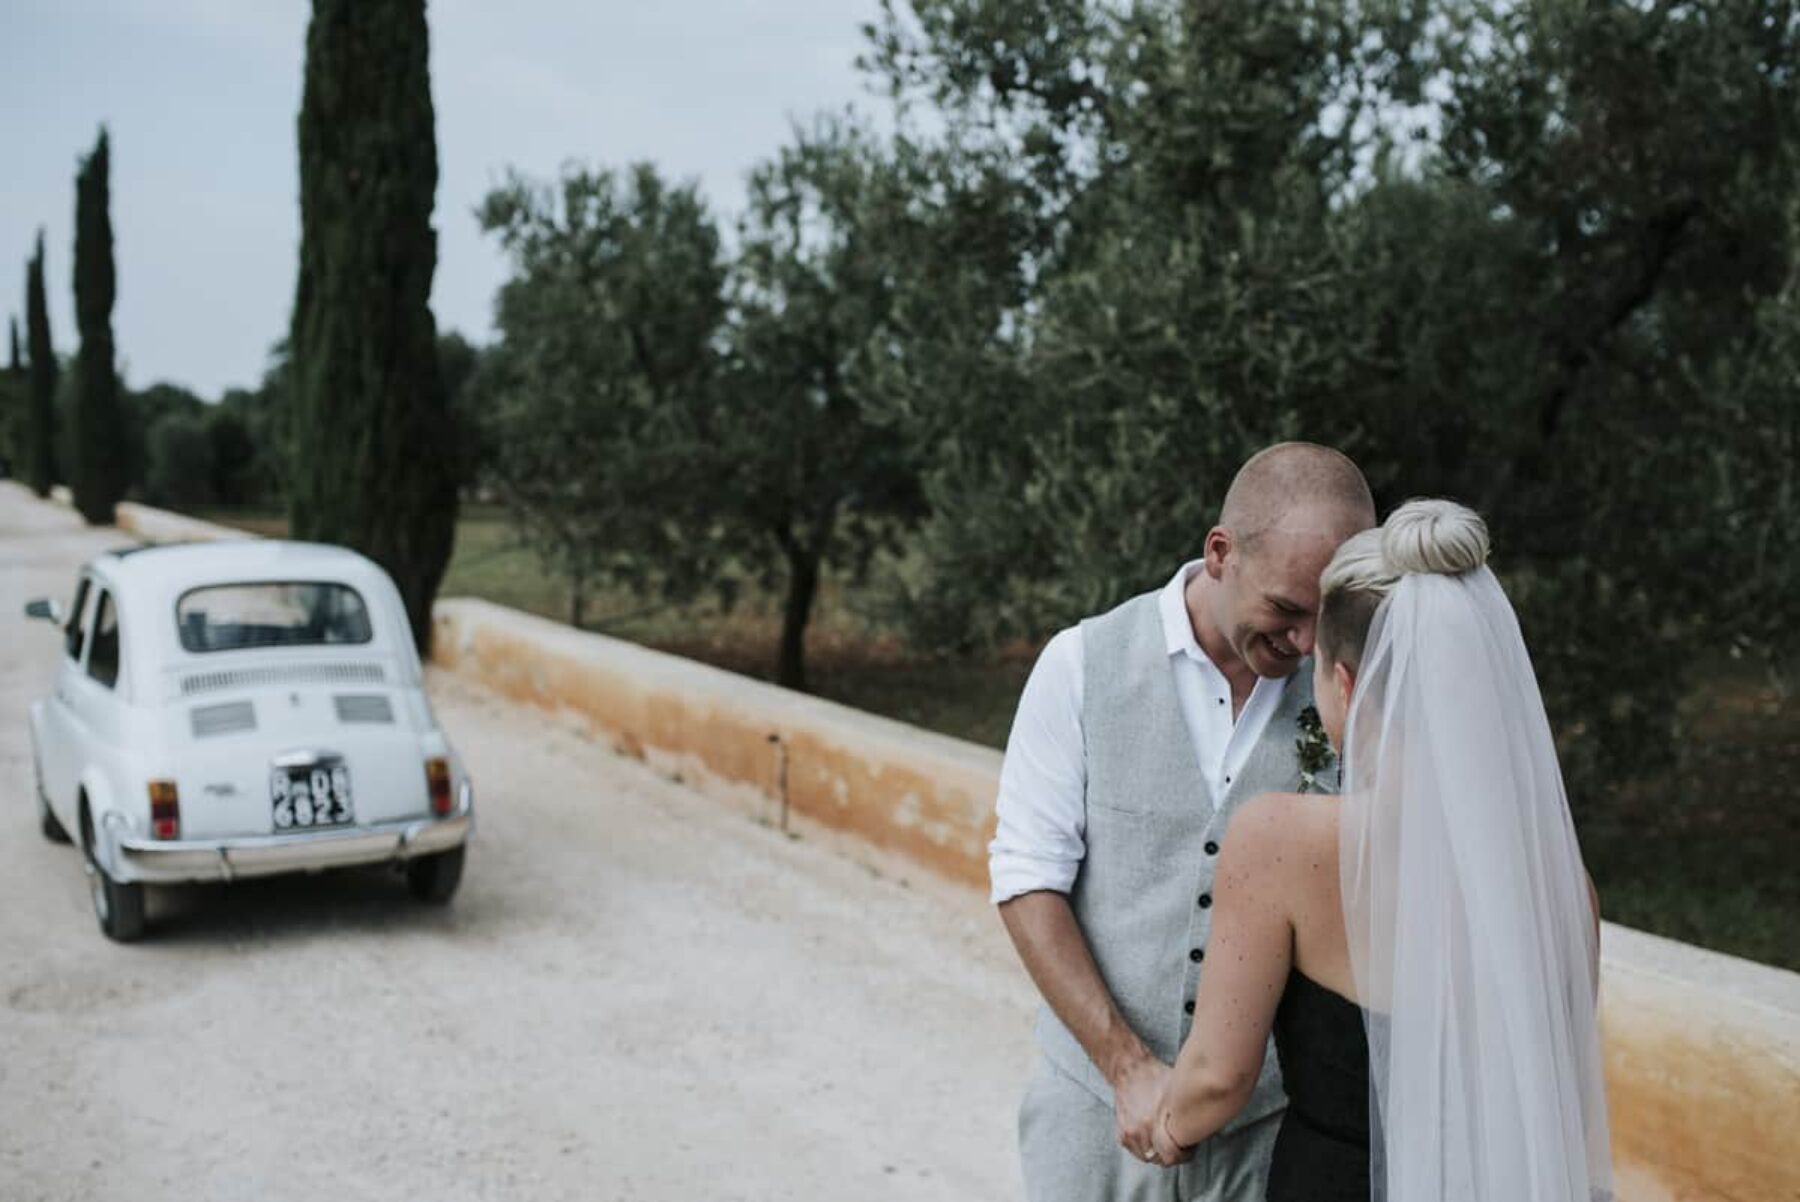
point(638, 994)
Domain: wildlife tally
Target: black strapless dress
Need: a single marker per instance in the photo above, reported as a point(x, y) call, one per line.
point(1322, 1150)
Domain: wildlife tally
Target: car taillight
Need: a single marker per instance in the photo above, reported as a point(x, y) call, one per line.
point(165, 810)
point(437, 778)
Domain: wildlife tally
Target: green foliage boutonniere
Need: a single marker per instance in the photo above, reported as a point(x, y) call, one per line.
point(1314, 749)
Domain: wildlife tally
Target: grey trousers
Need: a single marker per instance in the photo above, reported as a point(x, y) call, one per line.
point(1071, 1154)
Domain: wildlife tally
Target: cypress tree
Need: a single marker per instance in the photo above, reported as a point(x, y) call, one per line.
point(100, 452)
point(16, 364)
point(40, 422)
point(372, 451)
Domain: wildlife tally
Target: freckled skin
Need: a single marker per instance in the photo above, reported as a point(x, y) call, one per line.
point(1277, 906)
point(1274, 910)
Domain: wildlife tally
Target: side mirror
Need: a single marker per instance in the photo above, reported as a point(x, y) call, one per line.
point(50, 611)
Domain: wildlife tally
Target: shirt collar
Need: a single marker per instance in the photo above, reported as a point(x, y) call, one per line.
point(1178, 631)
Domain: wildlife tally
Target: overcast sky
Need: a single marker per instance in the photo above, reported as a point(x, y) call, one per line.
point(200, 98)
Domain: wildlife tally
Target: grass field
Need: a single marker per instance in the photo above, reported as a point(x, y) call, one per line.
point(1709, 855)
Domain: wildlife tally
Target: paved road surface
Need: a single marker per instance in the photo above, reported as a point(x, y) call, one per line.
point(638, 994)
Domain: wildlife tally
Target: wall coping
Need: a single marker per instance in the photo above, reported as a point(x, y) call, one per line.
point(1747, 983)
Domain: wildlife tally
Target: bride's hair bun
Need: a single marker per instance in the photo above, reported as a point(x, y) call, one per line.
point(1434, 537)
point(1421, 538)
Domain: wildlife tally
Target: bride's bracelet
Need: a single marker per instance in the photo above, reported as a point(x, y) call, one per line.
point(1185, 1148)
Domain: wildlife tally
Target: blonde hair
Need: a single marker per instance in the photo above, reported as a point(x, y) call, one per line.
point(1425, 537)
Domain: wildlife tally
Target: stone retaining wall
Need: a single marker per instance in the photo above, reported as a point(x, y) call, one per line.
point(161, 526)
point(925, 796)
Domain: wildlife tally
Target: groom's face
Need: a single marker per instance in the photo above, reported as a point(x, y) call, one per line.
point(1269, 599)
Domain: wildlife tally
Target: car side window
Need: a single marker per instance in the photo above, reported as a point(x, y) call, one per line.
point(103, 656)
point(75, 633)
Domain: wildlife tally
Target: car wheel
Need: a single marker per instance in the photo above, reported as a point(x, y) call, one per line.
point(118, 906)
point(53, 830)
point(434, 878)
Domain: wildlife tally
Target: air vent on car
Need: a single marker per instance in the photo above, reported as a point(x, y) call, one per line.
point(363, 707)
point(250, 678)
point(224, 719)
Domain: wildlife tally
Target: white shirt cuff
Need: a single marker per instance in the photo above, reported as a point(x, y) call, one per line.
point(1011, 874)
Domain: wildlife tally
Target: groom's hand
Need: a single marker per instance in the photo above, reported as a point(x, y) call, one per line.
point(1138, 1086)
point(1043, 927)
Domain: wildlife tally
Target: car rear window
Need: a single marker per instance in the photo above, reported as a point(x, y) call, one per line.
point(229, 617)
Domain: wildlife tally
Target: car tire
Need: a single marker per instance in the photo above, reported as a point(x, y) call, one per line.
point(47, 823)
point(434, 878)
point(118, 906)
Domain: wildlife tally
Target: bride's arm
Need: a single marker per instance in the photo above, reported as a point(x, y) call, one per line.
point(1246, 969)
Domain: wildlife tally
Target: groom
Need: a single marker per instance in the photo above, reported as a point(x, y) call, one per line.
point(1138, 734)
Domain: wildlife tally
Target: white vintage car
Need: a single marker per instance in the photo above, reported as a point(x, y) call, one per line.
point(238, 709)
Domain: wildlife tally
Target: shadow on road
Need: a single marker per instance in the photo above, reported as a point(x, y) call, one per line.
point(343, 901)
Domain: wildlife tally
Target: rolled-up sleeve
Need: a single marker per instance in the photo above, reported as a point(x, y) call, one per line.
point(1040, 842)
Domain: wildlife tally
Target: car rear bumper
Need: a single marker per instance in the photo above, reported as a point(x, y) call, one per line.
point(157, 861)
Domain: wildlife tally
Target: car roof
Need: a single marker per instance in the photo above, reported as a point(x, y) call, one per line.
point(174, 566)
point(146, 583)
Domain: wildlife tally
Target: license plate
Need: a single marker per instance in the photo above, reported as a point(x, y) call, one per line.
point(309, 795)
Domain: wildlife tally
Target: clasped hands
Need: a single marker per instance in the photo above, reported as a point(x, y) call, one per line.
point(1139, 1106)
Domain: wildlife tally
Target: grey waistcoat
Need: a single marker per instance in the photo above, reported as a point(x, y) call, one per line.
point(1150, 817)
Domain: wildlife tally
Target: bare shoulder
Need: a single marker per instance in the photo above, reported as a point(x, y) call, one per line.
point(1280, 831)
point(1282, 816)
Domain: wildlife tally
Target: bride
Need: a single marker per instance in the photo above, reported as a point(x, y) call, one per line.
point(1425, 946)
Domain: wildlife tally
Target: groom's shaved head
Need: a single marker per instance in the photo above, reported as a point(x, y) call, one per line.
point(1285, 515)
point(1298, 486)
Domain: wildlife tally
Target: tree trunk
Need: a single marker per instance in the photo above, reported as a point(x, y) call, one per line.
point(577, 601)
point(803, 586)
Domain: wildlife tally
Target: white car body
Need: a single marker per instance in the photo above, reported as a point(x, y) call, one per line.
point(235, 728)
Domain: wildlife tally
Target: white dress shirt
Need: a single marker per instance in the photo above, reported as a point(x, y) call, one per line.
point(1043, 779)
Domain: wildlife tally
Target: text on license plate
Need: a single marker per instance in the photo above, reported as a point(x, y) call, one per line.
point(311, 795)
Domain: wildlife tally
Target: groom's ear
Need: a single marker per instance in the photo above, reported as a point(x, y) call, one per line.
point(1218, 547)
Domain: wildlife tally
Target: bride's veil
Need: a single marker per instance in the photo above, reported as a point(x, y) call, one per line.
point(1467, 907)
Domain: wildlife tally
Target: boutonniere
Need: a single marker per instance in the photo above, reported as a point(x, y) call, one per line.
point(1314, 749)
